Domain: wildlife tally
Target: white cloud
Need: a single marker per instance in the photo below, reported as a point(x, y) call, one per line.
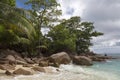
point(77, 6)
point(106, 16)
point(106, 49)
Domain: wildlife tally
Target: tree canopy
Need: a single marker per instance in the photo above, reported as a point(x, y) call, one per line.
point(20, 29)
point(73, 35)
point(9, 2)
point(16, 27)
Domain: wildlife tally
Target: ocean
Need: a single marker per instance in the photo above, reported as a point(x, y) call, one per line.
point(109, 70)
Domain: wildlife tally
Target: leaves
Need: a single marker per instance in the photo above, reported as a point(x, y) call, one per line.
point(9, 2)
point(72, 34)
point(20, 20)
point(61, 39)
point(22, 28)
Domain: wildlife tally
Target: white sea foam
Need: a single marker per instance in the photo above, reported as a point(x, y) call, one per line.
point(70, 72)
point(108, 61)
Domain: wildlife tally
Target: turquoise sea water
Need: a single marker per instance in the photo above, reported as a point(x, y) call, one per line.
point(111, 67)
point(109, 70)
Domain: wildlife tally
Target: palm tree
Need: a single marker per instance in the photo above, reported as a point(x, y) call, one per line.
point(17, 26)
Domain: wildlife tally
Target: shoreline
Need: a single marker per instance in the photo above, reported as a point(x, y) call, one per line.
point(53, 73)
point(64, 70)
point(48, 70)
point(26, 66)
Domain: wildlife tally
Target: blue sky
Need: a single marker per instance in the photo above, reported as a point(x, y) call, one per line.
point(20, 4)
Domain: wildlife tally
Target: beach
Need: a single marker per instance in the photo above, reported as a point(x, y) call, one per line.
point(108, 70)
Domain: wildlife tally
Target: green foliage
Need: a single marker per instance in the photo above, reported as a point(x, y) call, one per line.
point(61, 39)
point(84, 35)
point(9, 2)
point(7, 36)
point(72, 34)
point(20, 29)
point(19, 21)
point(46, 13)
point(1, 28)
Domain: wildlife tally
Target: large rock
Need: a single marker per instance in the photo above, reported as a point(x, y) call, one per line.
point(104, 57)
point(40, 69)
point(44, 69)
point(5, 53)
point(21, 71)
point(19, 58)
point(43, 63)
point(82, 60)
point(11, 59)
point(95, 58)
point(3, 61)
point(27, 65)
point(21, 62)
point(8, 72)
point(2, 67)
point(36, 60)
point(54, 64)
point(60, 58)
point(28, 60)
point(7, 67)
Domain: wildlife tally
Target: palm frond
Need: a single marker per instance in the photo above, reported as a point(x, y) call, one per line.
point(23, 19)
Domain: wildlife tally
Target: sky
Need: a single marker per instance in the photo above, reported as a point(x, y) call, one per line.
point(105, 14)
point(106, 17)
point(20, 4)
